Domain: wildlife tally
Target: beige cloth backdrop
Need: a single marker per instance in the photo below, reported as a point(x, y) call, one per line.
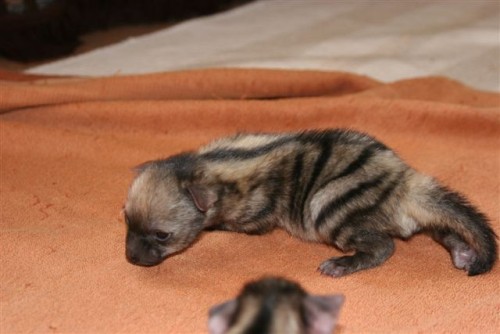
point(387, 40)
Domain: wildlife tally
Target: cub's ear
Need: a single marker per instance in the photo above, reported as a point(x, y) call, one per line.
point(203, 197)
point(322, 312)
point(220, 316)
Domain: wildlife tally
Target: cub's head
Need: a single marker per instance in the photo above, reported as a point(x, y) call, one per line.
point(163, 214)
point(273, 306)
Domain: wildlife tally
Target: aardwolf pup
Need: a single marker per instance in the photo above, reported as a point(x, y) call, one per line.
point(275, 306)
point(339, 187)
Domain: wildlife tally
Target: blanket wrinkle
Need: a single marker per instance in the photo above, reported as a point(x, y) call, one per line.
point(212, 84)
point(199, 84)
point(68, 146)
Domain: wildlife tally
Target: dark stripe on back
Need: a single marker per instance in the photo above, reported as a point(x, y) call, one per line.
point(359, 214)
point(355, 165)
point(324, 156)
point(274, 185)
point(329, 209)
point(242, 154)
point(296, 175)
point(362, 159)
point(366, 154)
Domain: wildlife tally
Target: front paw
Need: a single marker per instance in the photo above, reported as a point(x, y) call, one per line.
point(334, 267)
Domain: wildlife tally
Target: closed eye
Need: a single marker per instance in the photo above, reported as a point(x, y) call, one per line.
point(162, 236)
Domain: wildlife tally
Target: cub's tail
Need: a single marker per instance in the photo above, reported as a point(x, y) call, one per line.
point(455, 223)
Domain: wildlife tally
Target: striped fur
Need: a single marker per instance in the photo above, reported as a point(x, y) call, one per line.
point(273, 306)
point(339, 187)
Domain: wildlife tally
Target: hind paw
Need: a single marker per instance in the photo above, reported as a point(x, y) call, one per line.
point(334, 267)
point(463, 257)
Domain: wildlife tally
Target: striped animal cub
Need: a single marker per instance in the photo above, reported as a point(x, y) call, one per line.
point(275, 306)
point(339, 187)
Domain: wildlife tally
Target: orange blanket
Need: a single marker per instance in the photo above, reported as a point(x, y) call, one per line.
point(68, 146)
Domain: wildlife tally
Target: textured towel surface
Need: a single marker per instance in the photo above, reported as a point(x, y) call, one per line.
point(68, 146)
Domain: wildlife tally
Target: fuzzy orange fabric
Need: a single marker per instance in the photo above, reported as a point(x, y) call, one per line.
point(68, 146)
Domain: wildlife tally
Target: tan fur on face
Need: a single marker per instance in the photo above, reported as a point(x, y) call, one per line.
point(250, 306)
point(156, 202)
point(286, 319)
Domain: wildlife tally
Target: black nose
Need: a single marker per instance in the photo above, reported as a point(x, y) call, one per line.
point(138, 260)
point(140, 251)
point(132, 258)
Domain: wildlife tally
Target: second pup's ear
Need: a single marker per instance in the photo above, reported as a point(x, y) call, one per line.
point(323, 312)
point(219, 317)
point(203, 197)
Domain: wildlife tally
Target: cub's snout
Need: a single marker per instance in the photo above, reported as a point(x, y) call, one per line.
point(141, 250)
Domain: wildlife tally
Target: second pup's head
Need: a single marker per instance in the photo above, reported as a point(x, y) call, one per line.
point(275, 305)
